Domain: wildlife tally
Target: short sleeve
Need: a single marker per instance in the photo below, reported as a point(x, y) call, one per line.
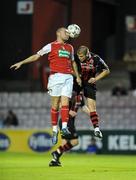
point(45, 50)
point(101, 65)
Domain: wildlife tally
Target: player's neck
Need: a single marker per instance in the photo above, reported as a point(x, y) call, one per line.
point(60, 41)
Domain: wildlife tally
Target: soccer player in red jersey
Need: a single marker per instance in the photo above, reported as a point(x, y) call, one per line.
point(60, 82)
point(71, 140)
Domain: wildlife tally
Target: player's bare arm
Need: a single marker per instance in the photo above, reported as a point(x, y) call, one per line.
point(103, 74)
point(30, 59)
point(76, 73)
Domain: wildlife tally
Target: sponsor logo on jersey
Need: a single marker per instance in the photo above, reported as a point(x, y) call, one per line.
point(64, 53)
point(4, 142)
point(40, 142)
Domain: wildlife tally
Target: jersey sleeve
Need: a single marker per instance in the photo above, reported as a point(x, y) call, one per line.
point(101, 65)
point(45, 50)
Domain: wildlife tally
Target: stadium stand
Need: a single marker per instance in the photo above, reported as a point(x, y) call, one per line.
point(33, 110)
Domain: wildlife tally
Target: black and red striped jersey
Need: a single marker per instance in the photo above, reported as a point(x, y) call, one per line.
point(91, 66)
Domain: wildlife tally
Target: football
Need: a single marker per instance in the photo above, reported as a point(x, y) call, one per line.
point(74, 30)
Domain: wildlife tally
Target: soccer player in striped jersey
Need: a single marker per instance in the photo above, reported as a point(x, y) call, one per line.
point(92, 69)
point(60, 82)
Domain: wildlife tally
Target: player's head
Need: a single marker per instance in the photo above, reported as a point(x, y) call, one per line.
point(62, 34)
point(83, 53)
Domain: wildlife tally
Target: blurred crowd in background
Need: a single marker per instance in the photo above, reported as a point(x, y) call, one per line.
point(108, 28)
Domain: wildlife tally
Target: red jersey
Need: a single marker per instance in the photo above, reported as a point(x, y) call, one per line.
point(60, 57)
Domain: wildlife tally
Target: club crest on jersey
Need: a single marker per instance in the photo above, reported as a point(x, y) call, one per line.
point(64, 53)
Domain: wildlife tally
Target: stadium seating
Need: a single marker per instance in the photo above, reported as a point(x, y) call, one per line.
point(33, 110)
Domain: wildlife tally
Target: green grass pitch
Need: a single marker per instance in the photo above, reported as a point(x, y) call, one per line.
point(18, 166)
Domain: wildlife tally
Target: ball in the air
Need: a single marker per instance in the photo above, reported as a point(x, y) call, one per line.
point(74, 30)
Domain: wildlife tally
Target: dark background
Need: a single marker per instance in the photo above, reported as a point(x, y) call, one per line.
point(102, 23)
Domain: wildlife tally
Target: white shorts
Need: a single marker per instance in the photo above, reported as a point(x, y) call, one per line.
point(60, 85)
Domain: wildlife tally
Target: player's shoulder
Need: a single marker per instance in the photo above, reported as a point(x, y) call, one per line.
point(53, 42)
point(69, 45)
point(94, 55)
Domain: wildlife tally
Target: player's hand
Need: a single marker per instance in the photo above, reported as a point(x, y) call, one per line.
point(79, 81)
point(16, 66)
point(92, 80)
point(72, 113)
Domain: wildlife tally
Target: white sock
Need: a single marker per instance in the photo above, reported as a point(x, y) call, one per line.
point(97, 129)
point(64, 125)
point(55, 128)
point(58, 151)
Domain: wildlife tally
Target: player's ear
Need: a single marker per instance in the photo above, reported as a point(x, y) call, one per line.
point(87, 54)
point(57, 33)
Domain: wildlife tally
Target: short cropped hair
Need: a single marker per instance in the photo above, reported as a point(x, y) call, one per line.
point(82, 50)
point(59, 29)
